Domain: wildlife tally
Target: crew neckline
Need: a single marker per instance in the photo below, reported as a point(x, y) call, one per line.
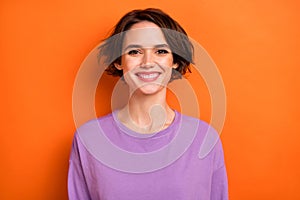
point(132, 133)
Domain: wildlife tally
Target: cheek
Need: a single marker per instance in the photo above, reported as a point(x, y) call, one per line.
point(129, 63)
point(167, 61)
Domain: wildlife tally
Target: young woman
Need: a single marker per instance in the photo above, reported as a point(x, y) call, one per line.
point(146, 150)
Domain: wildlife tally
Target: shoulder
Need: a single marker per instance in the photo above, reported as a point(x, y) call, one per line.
point(203, 128)
point(207, 138)
point(93, 128)
point(95, 123)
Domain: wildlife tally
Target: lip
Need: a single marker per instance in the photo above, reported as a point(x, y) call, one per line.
point(148, 76)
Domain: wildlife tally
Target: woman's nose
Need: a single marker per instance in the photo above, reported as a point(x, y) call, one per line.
point(148, 58)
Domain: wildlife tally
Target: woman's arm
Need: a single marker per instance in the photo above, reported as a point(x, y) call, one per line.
point(219, 187)
point(77, 186)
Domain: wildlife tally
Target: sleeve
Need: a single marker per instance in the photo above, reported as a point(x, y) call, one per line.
point(219, 187)
point(77, 186)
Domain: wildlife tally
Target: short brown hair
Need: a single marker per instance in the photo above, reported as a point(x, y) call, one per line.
point(181, 47)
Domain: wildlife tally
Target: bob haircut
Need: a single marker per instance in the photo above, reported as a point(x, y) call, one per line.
point(176, 37)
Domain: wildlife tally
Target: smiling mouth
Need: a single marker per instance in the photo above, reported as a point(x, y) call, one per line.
point(148, 77)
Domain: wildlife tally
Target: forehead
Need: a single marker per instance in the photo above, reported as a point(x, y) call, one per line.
point(145, 34)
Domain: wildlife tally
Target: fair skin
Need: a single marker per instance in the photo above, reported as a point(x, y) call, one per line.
point(147, 64)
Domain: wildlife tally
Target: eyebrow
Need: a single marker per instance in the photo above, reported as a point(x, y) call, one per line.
point(134, 46)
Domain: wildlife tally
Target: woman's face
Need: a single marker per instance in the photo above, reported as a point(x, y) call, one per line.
point(147, 60)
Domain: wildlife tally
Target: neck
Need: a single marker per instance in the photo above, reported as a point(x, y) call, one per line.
point(147, 113)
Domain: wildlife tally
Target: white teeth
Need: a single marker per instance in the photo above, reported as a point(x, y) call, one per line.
point(148, 76)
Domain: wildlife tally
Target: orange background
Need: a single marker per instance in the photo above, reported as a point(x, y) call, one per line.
point(255, 44)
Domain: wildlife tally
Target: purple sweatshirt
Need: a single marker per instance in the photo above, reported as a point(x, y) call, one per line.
point(182, 162)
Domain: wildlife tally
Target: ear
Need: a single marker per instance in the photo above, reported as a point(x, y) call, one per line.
point(175, 65)
point(119, 67)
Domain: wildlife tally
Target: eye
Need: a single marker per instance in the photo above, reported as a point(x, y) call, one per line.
point(162, 51)
point(134, 52)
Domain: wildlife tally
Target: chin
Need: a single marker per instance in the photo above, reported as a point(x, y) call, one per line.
point(150, 89)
